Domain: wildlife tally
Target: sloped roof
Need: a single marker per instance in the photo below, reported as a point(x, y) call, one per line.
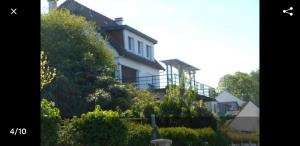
point(247, 119)
point(250, 110)
point(104, 23)
point(100, 20)
point(227, 97)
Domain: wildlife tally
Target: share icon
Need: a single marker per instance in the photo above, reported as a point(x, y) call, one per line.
point(288, 11)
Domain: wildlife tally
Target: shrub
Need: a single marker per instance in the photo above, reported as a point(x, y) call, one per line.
point(182, 136)
point(144, 103)
point(50, 119)
point(138, 135)
point(219, 139)
point(177, 110)
point(96, 128)
point(237, 136)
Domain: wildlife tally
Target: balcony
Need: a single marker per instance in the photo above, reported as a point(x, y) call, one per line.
point(161, 82)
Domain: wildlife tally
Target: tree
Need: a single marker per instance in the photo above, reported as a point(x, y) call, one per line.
point(73, 47)
point(47, 73)
point(241, 85)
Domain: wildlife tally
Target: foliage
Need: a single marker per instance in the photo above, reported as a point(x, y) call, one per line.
point(97, 127)
point(182, 136)
point(237, 136)
point(144, 103)
point(177, 110)
point(219, 139)
point(138, 135)
point(79, 57)
point(50, 119)
point(47, 73)
point(241, 85)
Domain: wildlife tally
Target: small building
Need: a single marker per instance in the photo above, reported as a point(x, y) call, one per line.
point(247, 120)
point(225, 104)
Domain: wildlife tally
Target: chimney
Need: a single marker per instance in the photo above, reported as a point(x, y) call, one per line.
point(52, 4)
point(119, 20)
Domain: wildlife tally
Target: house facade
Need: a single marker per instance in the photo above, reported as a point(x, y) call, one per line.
point(133, 50)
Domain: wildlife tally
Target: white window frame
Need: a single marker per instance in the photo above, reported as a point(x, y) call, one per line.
point(130, 43)
point(148, 51)
point(140, 48)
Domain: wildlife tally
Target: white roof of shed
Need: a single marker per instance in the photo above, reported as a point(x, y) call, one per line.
point(227, 97)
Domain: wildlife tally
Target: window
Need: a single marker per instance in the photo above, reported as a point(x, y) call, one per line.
point(130, 43)
point(140, 48)
point(215, 108)
point(148, 51)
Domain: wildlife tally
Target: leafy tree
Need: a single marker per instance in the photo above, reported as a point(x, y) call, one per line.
point(47, 73)
point(241, 84)
point(79, 56)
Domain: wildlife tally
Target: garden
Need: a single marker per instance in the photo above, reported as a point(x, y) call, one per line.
point(83, 105)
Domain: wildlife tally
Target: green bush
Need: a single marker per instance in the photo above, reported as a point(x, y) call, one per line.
point(182, 136)
point(177, 110)
point(144, 103)
point(96, 128)
point(50, 120)
point(138, 135)
point(237, 136)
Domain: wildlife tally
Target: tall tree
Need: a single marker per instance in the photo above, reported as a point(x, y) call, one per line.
point(79, 56)
point(241, 85)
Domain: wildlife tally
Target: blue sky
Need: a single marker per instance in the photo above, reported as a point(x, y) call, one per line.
point(218, 36)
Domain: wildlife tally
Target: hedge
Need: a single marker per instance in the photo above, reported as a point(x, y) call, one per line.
point(138, 135)
point(237, 136)
point(182, 136)
point(94, 128)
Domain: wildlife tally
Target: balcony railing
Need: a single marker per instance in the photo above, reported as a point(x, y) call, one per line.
point(162, 81)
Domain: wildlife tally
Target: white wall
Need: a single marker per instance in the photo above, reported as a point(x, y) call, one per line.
point(212, 106)
point(137, 38)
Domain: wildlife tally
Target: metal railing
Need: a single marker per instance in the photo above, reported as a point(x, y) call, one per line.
point(162, 81)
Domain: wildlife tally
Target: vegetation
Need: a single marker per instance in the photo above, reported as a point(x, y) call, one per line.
point(50, 115)
point(237, 136)
point(178, 110)
point(138, 135)
point(182, 136)
point(241, 85)
point(50, 119)
point(47, 73)
point(94, 128)
point(79, 57)
point(144, 103)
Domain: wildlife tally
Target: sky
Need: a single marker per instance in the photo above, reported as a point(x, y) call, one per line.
point(218, 36)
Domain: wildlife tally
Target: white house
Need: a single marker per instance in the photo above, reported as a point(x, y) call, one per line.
point(134, 50)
